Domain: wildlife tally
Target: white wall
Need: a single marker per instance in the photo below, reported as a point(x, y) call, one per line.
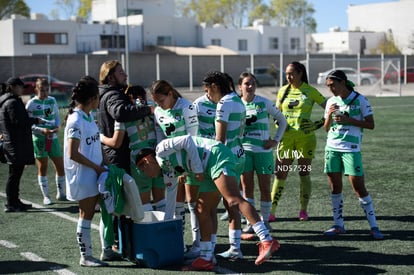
point(381, 17)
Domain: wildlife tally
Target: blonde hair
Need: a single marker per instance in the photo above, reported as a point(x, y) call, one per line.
point(107, 68)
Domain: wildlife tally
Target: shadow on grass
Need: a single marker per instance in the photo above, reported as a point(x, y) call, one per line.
point(315, 260)
point(16, 267)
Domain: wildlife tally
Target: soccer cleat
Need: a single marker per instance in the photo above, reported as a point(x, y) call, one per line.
point(272, 218)
point(248, 229)
point(303, 215)
point(335, 230)
point(90, 261)
point(266, 248)
point(47, 201)
point(202, 265)
point(192, 253)
point(231, 254)
point(225, 216)
point(376, 233)
point(109, 255)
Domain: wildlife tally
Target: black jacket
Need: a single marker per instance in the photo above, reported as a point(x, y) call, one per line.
point(116, 106)
point(15, 126)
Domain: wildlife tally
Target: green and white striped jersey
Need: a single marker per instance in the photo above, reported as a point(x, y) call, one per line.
point(257, 129)
point(346, 137)
point(180, 120)
point(206, 112)
point(47, 110)
point(232, 111)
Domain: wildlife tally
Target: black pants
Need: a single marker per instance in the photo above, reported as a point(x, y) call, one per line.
point(13, 184)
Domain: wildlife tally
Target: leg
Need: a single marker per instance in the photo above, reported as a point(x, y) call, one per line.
point(13, 187)
point(282, 170)
point(265, 199)
point(42, 165)
point(60, 178)
point(192, 196)
point(304, 165)
point(335, 181)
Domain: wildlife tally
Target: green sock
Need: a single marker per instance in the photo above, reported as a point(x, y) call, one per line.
point(305, 191)
point(277, 189)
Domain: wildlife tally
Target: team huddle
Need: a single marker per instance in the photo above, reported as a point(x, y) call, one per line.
point(199, 153)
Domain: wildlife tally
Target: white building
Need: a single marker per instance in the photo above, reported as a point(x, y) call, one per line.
point(395, 17)
point(150, 23)
point(372, 22)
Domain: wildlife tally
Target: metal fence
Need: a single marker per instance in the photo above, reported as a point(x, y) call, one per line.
point(188, 71)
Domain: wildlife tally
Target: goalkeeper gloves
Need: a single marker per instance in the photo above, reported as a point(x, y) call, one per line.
point(308, 126)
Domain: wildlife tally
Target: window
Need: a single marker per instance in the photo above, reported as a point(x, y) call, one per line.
point(164, 41)
point(216, 41)
point(273, 43)
point(294, 43)
point(112, 41)
point(45, 38)
point(242, 45)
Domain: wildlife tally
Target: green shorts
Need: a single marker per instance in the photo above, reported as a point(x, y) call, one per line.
point(221, 160)
point(349, 163)
point(39, 144)
point(263, 163)
point(144, 183)
point(296, 145)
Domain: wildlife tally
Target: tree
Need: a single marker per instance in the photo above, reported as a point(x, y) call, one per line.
point(80, 8)
point(238, 13)
point(230, 13)
point(9, 7)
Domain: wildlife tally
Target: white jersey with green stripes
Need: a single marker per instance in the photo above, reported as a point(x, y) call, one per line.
point(257, 129)
point(206, 112)
point(346, 137)
point(177, 121)
point(46, 109)
point(141, 134)
point(232, 111)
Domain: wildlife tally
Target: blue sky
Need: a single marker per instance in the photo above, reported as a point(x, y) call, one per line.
point(328, 13)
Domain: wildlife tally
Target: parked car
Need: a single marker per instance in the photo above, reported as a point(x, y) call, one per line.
point(389, 77)
point(392, 77)
point(352, 74)
point(56, 86)
point(266, 76)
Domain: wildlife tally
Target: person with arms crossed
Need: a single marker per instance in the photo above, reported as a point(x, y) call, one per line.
point(258, 145)
point(45, 140)
point(347, 113)
point(201, 159)
point(295, 100)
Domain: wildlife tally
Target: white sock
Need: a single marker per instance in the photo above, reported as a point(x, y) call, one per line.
point(265, 207)
point(337, 208)
point(195, 230)
point(160, 205)
point(83, 235)
point(206, 252)
point(261, 231)
point(104, 244)
point(234, 238)
point(60, 185)
point(44, 185)
point(368, 206)
point(213, 242)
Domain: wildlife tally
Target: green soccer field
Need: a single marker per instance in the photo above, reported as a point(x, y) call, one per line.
point(43, 241)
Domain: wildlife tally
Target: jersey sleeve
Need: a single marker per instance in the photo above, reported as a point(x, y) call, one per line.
point(278, 118)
